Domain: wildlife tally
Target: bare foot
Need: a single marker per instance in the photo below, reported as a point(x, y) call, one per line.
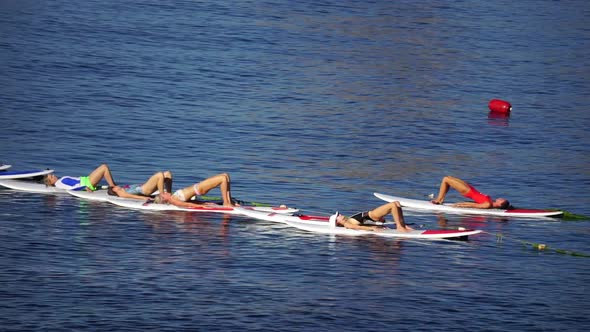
point(404, 229)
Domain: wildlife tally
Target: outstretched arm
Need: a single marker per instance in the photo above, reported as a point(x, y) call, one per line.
point(171, 199)
point(123, 194)
point(484, 205)
point(353, 224)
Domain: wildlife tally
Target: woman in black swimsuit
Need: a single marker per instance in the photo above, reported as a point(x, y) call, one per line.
point(378, 214)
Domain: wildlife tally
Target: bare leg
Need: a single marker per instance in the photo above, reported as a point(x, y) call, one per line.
point(101, 172)
point(220, 180)
point(447, 183)
point(396, 211)
point(155, 182)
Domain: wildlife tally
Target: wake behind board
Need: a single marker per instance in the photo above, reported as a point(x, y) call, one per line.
point(30, 186)
point(320, 224)
point(4, 167)
point(10, 175)
point(421, 205)
point(144, 205)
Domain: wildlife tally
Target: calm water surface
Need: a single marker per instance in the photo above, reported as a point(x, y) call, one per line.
point(312, 104)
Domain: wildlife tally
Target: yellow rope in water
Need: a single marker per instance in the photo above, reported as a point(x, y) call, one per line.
point(539, 246)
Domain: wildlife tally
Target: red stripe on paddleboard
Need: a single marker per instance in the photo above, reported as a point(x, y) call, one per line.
point(528, 211)
point(314, 218)
point(210, 209)
point(445, 231)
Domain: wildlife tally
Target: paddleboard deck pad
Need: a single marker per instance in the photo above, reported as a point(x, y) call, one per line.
point(10, 175)
point(152, 206)
point(319, 224)
point(422, 205)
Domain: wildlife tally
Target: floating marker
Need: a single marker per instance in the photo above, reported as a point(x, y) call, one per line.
point(500, 106)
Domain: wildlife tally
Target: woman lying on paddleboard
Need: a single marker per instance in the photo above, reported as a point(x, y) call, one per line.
point(182, 197)
point(378, 214)
point(481, 201)
point(76, 183)
point(162, 181)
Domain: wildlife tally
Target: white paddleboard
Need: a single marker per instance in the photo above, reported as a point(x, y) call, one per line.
point(145, 205)
point(319, 224)
point(422, 205)
point(9, 175)
point(4, 167)
point(98, 195)
point(30, 186)
point(34, 187)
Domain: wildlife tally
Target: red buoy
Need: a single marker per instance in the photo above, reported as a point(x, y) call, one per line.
point(500, 106)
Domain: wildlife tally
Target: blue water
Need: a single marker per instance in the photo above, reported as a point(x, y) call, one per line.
point(312, 104)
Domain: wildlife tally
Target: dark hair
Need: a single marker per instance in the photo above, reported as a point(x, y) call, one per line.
point(506, 205)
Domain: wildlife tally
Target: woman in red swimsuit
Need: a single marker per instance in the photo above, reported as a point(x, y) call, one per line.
point(481, 201)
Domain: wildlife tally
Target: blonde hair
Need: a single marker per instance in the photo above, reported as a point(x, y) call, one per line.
point(46, 180)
